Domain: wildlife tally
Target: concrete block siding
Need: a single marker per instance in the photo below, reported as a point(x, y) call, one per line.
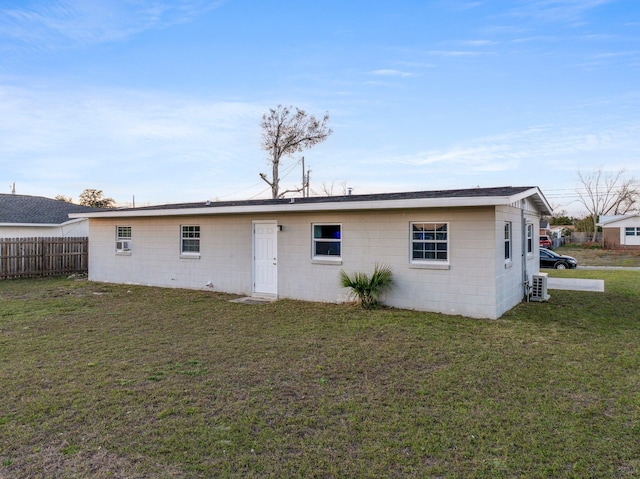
point(474, 283)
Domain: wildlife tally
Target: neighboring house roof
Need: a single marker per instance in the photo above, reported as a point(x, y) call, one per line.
point(37, 210)
point(417, 199)
point(609, 220)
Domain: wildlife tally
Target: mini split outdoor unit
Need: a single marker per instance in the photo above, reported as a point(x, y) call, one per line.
point(539, 288)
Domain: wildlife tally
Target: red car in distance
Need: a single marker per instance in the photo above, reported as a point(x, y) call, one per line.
point(545, 241)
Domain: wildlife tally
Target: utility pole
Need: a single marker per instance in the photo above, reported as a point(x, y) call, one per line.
point(305, 180)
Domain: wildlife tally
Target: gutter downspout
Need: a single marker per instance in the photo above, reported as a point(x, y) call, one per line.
point(525, 273)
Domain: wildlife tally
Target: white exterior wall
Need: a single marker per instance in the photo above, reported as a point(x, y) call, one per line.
point(75, 228)
point(510, 274)
point(154, 259)
point(625, 240)
point(465, 288)
point(472, 284)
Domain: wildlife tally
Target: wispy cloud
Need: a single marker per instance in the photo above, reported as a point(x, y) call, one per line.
point(461, 6)
point(607, 59)
point(520, 149)
point(617, 54)
point(391, 73)
point(536, 39)
point(455, 53)
point(42, 24)
point(91, 137)
point(558, 11)
point(478, 43)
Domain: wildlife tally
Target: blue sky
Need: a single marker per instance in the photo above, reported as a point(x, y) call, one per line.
point(162, 100)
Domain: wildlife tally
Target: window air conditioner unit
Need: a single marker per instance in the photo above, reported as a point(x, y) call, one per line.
point(123, 245)
point(539, 288)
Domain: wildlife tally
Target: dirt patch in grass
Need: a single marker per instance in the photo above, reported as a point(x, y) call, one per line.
point(122, 381)
point(69, 460)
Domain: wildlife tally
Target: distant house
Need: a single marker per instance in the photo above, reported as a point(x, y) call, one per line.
point(23, 216)
point(470, 252)
point(621, 232)
point(545, 227)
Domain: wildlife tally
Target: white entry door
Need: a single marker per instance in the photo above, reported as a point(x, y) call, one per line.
point(265, 257)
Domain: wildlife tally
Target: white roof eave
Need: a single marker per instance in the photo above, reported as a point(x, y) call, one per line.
point(618, 219)
point(292, 206)
point(538, 199)
point(42, 225)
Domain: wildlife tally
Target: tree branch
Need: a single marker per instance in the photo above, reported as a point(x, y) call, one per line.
point(264, 177)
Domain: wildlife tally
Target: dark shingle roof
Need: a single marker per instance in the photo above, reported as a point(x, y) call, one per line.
point(460, 193)
point(23, 209)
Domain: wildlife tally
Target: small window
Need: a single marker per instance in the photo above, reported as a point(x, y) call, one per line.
point(327, 241)
point(529, 238)
point(123, 238)
point(190, 240)
point(632, 231)
point(429, 242)
point(507, 241)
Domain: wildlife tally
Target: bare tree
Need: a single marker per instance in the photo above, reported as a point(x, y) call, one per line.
point(95, 199)
point(285, 132)
point(329, 189)
point(604, 193)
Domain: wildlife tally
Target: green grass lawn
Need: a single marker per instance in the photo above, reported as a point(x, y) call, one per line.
point(108, 381)
point(587, 256)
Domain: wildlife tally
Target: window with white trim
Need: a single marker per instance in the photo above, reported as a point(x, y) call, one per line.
point(190, 239)
point(507, 241)
point(429, 242)
point(123, 238)
point(529, 238)
point(631, 231)
point(327, 241)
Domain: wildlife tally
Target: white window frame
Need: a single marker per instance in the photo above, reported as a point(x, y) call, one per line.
point(123, 239)
point(190, 229)
point(508, 242)
point(530, 239)
point(315, 241)
point(436, 241)
point(631, 231)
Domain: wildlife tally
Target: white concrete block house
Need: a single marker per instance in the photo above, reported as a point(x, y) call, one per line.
point(621, 232)
point(466, 252)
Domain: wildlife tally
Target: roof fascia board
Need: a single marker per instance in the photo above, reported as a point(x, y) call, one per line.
point(616, 220)
point(33, 225)
point(445, 202)
point(44, 225)
point(543, 204)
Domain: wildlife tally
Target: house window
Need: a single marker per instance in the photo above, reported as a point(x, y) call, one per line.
point(507, 241)
point(327, 241)
point(631, 231)
point(529, 238)
point(123, 238)
point(429, 242)
point(190, 239)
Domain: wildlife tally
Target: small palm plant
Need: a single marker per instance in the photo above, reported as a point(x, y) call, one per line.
point(366, 290)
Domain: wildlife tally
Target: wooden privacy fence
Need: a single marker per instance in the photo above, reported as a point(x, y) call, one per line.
point(29, 257)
